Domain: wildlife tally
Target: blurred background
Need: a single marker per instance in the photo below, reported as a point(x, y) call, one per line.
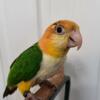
point(22, 22)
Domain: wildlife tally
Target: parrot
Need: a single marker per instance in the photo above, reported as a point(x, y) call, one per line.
point(44, 57)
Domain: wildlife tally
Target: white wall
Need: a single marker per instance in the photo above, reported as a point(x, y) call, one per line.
point(18, 28)
point(22, 22)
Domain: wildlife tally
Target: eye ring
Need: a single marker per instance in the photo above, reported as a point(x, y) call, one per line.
point(60, 29)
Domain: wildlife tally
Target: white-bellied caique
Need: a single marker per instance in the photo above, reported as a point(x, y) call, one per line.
point(43, 59)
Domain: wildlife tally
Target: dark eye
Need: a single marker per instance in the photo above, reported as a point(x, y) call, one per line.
point(60, 29)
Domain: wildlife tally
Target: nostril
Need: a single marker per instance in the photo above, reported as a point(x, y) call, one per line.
point(72, 39)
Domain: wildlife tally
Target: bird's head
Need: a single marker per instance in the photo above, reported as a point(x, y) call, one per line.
point(59, 37)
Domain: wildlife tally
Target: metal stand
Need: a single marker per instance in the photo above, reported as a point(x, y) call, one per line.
point(67, 83)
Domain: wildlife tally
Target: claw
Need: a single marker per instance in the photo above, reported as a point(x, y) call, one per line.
point(26, 93)
point(31, 96)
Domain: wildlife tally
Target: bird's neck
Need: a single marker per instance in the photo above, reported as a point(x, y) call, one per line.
point(52, 50)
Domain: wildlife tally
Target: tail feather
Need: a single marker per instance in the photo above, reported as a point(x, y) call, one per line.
point(9, 91)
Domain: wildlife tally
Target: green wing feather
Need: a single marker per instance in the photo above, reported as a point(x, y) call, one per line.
point(26, 66)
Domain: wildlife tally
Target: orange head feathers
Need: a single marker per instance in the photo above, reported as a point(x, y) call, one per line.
point(59, 37)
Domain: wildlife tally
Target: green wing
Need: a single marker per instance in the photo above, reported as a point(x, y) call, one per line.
point(25, 66)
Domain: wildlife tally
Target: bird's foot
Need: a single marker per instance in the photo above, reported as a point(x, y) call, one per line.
point(31, 96)
point(49, 84)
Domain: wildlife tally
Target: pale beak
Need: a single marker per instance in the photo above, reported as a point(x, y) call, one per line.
point(75, 40)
